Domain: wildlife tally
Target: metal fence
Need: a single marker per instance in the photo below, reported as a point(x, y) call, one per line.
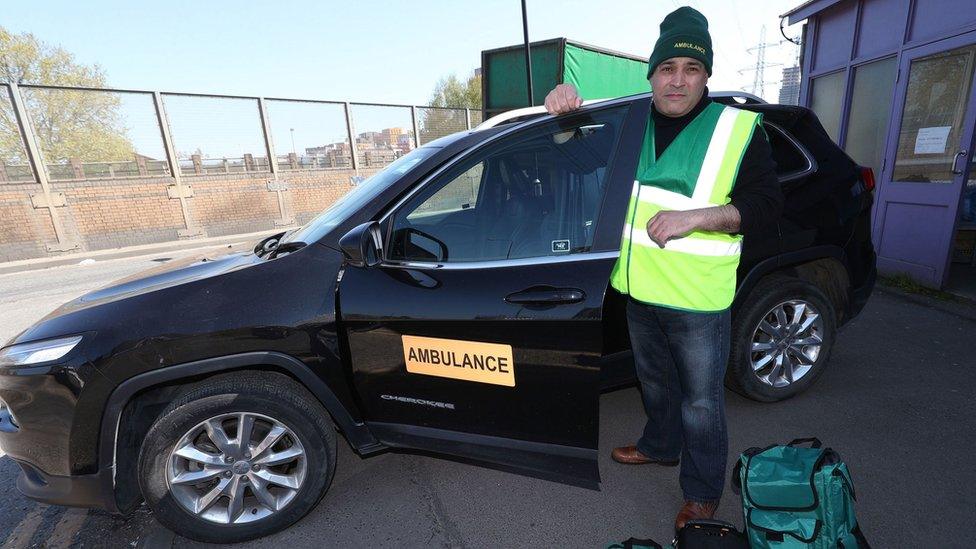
point(69, 133)
point(14, 164)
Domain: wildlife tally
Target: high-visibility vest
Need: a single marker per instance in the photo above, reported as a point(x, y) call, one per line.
point(697, 170)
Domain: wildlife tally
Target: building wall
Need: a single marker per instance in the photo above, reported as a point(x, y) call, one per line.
point(111, 213)
point(855, 32)
point(869, 40)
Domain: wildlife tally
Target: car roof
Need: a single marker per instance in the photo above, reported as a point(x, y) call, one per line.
point(528, 113)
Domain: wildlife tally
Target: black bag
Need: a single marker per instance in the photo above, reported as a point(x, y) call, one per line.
point(710, 534)
point(696, 534)
point(635, 543)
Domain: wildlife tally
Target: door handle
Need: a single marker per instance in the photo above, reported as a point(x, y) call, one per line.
point(547, 295)
point(955, 162)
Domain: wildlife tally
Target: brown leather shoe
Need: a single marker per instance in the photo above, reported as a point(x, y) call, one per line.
point(632, 456)
point(692, 510)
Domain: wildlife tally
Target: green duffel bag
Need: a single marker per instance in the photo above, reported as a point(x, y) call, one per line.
point(797, 496)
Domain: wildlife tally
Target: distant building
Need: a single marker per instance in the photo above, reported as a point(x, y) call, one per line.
point(405, 143)
point(334, 155)
point(374, 148)
point(325, 149)
point(378, 157)
point(390, 136)
point(789, 94)
point(368, 138)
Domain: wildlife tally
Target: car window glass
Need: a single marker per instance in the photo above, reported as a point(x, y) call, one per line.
point(535, 193)
point(789, 160)
point(459, 194)
point(362, 193)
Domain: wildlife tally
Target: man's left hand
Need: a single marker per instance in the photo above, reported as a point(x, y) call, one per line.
point(669, 224)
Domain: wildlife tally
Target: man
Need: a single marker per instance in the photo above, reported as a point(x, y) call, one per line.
point(704, 178)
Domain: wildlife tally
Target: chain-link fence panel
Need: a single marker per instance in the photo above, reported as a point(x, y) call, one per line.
point(436, 122)
point(309, 135)
point(477, 117)
point(216, 135)
point(383, 133)
point(14, 165)
point(93, 134)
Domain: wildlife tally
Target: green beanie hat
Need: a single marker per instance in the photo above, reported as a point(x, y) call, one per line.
point(684, 33)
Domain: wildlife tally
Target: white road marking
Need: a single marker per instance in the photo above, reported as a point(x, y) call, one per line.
point(21, 535)
point(67, 528)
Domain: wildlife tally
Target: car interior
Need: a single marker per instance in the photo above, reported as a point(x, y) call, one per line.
point(538, 196)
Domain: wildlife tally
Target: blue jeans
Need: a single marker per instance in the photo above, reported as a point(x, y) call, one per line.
point(680, 358)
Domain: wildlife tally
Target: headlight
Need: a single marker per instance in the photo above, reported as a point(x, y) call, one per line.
point(35, 352)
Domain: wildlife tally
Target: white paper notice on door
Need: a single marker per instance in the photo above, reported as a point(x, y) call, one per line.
point(932, 140)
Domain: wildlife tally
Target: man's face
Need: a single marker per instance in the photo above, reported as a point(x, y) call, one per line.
point(678, 84)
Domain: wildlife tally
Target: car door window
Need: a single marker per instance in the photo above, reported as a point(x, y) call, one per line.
point(791, 163)
point(460, 194)
point(535, 193)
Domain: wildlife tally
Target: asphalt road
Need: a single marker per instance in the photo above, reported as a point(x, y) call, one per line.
point(896, 402)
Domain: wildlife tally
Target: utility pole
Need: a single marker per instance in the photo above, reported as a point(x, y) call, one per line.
point(758, 78)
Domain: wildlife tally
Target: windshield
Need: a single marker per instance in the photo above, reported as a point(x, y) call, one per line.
point(355, 199)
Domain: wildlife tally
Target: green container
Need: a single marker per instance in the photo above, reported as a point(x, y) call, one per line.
point(597, 73)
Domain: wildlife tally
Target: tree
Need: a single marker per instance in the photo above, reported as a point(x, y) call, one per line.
point(86, 125)
point(450, 93)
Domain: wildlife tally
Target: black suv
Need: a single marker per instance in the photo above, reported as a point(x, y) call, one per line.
point(456, 302)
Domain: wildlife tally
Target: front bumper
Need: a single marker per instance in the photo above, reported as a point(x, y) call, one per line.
point(75, 491)
point(52, 433)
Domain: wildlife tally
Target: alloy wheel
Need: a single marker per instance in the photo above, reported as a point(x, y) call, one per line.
point(787, 343)
point(236, 468)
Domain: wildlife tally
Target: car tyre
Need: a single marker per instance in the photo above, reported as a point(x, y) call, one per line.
point(273, 407)
point(755, 344)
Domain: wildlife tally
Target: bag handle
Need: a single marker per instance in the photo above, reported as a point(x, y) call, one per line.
point(814, 442)
point(710, 523)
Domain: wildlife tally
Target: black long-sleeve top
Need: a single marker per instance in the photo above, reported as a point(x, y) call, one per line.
point(756, 193)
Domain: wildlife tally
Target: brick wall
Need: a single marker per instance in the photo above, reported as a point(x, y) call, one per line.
point(113, 213)
point(23, 229)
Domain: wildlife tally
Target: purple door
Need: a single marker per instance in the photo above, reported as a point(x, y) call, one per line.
point(928, 153)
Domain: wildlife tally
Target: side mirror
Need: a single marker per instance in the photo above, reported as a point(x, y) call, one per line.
point(363, 245)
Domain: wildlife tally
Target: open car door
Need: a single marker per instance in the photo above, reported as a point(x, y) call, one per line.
point(480, 333)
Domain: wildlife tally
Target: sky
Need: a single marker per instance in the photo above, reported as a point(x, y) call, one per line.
point(364, 50)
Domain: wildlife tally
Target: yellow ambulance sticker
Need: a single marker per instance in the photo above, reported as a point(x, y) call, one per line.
point(457, 359)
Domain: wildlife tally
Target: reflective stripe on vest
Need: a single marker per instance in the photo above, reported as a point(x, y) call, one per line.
point(696, 272)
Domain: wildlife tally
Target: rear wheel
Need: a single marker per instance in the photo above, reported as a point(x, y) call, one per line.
point(781, 339)
point(238, 457)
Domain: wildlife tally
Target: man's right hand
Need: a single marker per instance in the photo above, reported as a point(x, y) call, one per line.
point(563, 98)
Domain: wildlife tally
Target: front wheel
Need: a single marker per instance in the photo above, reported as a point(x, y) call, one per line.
point(781, 339)
point(236, 458)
